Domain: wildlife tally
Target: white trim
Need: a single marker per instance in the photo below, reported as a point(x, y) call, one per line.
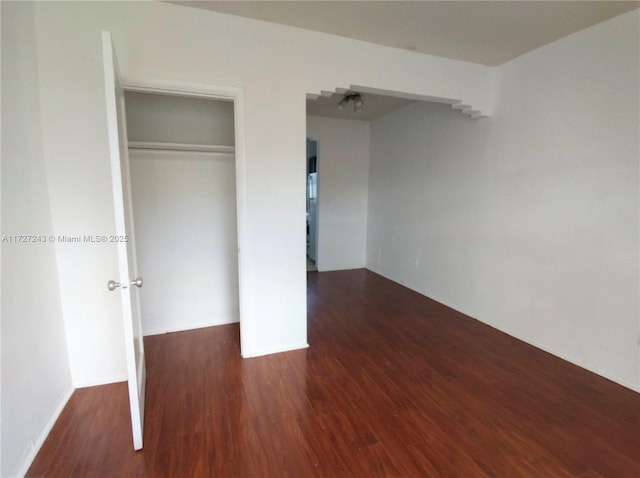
point(181, 88)
point(229, 93)
point(275, 350)
point(588, 366)
point(27, 460)
point(101, 381)
point(202, 325)
point(204, 148)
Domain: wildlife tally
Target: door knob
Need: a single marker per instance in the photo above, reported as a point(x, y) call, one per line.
point(137, 282)
point(111, 285)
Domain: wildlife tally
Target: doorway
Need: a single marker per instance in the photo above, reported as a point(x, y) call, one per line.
point(183, 184)
point(312, 205)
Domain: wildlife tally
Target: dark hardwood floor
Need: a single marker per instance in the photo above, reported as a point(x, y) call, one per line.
point(394, 384)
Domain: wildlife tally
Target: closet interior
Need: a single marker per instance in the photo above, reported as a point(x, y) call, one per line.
point(183, 186)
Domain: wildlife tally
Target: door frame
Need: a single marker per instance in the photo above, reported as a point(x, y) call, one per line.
point(317, 235)
point(229, 93)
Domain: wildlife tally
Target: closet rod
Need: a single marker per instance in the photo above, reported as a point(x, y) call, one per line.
point(202, 148)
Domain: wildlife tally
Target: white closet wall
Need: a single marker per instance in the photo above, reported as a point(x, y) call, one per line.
point(179, 119)
point(185, 212)
point(185, 224)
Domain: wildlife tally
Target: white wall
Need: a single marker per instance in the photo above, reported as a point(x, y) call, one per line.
point(184, 206)
point(179, 119)
point(36, 382)
point(343, 183)
point(276, 66)
point(527, 220)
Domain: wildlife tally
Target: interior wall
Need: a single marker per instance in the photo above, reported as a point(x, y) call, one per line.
point(343, 182)
point(179, 119)
point(184, 206)
point(275, 66)
point(36, 381)
point(529, 220)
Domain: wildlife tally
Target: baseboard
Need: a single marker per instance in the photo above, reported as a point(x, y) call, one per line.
point(352, 267)
point(185, 327)
point(585, 365)
point(274, 350)
point(454, 307)
point(579, 363)
point(26, 462)
point(102, 381)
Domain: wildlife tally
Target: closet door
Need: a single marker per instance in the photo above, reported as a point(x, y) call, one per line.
point(128, 281)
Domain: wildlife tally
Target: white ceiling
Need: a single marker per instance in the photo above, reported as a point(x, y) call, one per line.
point(487, 32)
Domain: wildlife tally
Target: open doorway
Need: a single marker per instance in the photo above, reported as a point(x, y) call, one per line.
point(341, 125)
point(183, 185)
point(312, 205)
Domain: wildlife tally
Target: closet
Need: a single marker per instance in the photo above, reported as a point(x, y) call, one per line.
point(183, 186)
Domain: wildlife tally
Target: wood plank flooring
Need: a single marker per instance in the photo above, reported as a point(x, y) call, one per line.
point(393, 385)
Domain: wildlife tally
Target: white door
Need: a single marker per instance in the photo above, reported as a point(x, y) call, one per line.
point(128, 281)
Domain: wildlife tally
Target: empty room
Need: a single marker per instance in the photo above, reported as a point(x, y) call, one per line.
point(320, 239)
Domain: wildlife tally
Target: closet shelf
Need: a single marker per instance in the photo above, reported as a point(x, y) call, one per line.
point(204, 148)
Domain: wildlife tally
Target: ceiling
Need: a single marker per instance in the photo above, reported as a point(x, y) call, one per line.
point(374, 106)
point(486, 32)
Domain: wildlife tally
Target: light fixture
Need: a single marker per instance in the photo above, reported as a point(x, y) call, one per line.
point(354, 98)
